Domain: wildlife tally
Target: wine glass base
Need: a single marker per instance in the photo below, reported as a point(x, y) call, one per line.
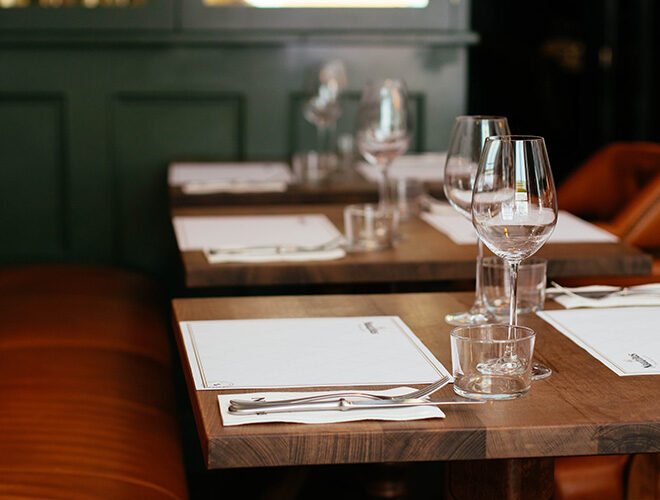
point(506, 365)
point(539, 372)
point(468, 318)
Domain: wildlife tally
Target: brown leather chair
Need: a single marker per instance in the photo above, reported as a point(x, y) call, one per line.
point(85, 383)
point(619, 188)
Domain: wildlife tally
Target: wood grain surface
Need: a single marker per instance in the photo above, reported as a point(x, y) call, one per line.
point(582, 409)
point(423, 255)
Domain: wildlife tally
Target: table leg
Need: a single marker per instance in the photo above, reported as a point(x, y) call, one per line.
point(511, 479)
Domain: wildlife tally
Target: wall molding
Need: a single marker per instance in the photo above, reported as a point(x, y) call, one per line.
point(60, 102)
point(167, 98)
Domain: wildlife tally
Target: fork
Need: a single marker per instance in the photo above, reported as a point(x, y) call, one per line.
point(278, 249)
point(417, 394)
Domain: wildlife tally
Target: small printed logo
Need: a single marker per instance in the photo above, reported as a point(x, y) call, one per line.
point(371, 328)
point(645, 362)
point(222, 383)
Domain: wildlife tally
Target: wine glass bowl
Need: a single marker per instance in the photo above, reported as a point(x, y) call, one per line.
point(465, 146)
point(514, 205)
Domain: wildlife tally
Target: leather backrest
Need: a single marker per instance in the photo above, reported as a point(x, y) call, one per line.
point(610, 179)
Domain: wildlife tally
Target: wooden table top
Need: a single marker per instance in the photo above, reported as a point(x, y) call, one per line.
point(582, 409)
point(341, 187)
point(424, 255)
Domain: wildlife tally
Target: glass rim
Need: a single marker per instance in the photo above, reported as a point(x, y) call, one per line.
point(481, 117)
point(493, 260)
point(515, 138)
point(456, 333)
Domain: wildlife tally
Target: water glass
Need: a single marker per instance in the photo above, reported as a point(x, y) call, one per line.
point(370, 226)
point(473, 347)
point(495, 285)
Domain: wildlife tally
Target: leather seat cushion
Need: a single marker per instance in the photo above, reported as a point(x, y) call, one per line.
point(85, 379)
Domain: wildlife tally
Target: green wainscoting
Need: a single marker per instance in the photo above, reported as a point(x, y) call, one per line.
point(88, 123)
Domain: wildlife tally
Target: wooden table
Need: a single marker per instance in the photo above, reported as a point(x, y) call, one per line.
point(582, 409)
point(425, 255)
point(342, 187)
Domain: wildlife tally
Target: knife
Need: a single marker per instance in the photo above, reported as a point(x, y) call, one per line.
point(343, 404)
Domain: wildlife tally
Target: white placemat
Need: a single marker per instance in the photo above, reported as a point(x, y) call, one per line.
point(307, 352)
point(425, 167)
point(569, 229)
point(241, 231)
point(199, 178)
point(626, 340)
point(324, 417)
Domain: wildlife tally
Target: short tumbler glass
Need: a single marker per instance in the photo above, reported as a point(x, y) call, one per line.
point(473, 347)
point(495, 285)
point(370, 227)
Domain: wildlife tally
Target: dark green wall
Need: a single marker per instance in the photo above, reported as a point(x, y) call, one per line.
point(88, 122)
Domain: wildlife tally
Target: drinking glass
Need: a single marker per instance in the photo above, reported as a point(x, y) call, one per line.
point(514, 210)
point(324, 108)
point(465, 145)
point(383, 128)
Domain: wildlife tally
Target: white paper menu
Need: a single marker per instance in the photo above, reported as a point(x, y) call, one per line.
point(625, 339)
point(425, 167)
point(307, 352)
point(257, 172)
point(237, 231)
point(569, 229)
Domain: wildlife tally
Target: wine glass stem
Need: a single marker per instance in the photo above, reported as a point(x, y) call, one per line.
point(478, 300)
point(320, 145)
point(384, 200)
point(513, 293)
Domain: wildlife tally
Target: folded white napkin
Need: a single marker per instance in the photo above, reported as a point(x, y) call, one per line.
point(233, 187)
point(332, 254)
point(324, 417)
point(639, 296)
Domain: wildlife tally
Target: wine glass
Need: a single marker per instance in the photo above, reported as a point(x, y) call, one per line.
point(383, 128)
point(514, 210)
point(465, 145)
point(324, 108)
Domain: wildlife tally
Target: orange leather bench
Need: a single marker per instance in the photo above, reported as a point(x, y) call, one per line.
point(86, 396)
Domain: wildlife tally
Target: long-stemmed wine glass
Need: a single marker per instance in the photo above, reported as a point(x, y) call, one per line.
point(514, 210)
point(383, 128)
point(324, 107)
point(465, 145)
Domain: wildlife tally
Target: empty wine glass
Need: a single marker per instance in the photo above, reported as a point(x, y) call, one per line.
point(465, 145)
point(514, 210)
point(383, 128)
point(324, 108)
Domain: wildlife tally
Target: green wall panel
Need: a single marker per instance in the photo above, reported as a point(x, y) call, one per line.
point(32, 177)
point(109, 118)
point(149, 131)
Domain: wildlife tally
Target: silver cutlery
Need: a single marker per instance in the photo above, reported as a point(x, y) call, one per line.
point(278, 249)
point(416, 395)
point(344, 404)
point(605, 291)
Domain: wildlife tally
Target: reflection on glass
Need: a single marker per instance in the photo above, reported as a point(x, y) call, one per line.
point(8, 4)
point(324, 4)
